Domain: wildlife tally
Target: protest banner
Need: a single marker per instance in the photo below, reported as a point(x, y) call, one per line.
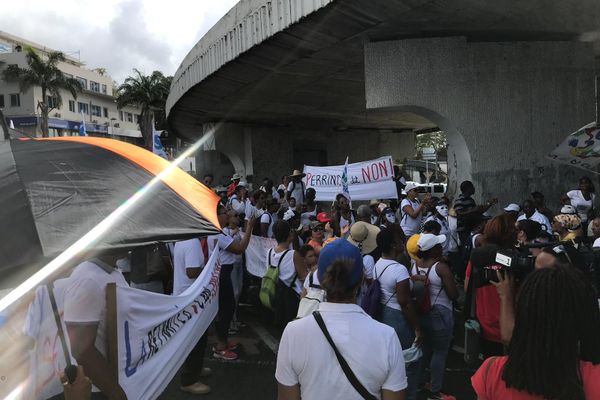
point(366, 180)
point(580, 149)
point(156, 332)
point(256, 254)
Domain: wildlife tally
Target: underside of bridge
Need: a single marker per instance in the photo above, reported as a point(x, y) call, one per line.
point(255, 69)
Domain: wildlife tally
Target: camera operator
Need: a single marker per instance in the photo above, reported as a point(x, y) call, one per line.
point(499, 234)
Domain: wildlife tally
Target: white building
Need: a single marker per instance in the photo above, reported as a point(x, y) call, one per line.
point(97, 101)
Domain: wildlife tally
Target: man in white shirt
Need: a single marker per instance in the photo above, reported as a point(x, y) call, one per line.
point(529, 212)
point(307, 367)
point(188, 262)
point(238, 201)
point(85, 318)
point(296, 187)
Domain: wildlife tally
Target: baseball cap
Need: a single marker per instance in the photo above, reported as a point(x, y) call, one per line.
point(512, 207)
point(428, 241)
point(323, 217)
point(341, 250)
point(568, 209)
point(412, 246)
point(410, 186)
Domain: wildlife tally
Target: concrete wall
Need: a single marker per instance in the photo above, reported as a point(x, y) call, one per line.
point(504, 106)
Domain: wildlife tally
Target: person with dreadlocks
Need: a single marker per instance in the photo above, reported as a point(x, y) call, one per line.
point(554, 352)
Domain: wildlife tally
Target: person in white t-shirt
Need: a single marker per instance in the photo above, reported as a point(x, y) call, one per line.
point(398, 310)
point(237, 202)
point(529, 212)
point(188, 262)
point(254, 206)
point(228, 249)
point(296, 187)
point(268, 218)
point(307, 367)
point(583, 199)
point(85, 318)
point(411, 210)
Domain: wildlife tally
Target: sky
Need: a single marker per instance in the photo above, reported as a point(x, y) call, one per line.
point(118, 35)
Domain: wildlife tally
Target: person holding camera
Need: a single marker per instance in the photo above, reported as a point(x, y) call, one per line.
point(554, 352)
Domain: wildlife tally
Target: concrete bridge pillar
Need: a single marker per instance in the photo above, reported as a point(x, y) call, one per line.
point(503, 105)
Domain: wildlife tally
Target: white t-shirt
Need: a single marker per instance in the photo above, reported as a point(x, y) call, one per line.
point(582, 205)
point(251, 210)
point(344, 222)
point(297, 192)
point(410, 225)
point(187, 254)
point(238, 238)
point(287, 268)
point(539, 218)
point(368, 265)
point(85, 297)
point(267, 218)
point(388, 280)
point(371, 349)
point(222, 242)
point(237, 205)
point(315, 280)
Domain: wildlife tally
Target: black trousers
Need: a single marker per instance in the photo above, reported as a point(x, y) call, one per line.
point(190, 373)
point(226, 302)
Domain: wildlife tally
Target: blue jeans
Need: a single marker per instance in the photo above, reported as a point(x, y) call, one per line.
point(437, 327)
point(406, 334)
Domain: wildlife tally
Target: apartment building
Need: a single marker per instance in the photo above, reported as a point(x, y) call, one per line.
point(97, 102)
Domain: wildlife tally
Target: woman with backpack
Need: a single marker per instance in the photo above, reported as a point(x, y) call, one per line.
point(434, 306)
point(398, 311)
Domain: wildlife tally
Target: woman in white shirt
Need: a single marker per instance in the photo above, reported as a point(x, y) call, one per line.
point(583, 200)
point(411, 210)
point(438, 323)
point(307, 367)
point(398, 311)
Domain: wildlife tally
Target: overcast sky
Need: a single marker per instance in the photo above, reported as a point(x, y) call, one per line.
point(116, 34)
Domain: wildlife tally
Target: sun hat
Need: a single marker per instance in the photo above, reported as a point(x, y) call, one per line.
point(364, 236)
point(341, 250)
point(428, 241)
point(323, 217)
point(296, 173)
point(236, 176)
point(512, 207)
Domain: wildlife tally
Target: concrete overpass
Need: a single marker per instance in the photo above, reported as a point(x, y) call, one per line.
point(320, 79)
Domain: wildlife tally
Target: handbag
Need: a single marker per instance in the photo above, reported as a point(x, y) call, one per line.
point(345, 367)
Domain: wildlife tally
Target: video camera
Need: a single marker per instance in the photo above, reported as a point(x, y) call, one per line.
point(516, 261)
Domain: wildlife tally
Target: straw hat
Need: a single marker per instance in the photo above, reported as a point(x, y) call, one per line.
point(297, 173)
point(363, 236)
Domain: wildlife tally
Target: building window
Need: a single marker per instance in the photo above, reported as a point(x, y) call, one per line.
point(15, 100)
point(105, 112)
point(94, 86)
point(121, 115)
point(137, 118)
point(82, 107)
point(72, 105)
point(1, 101)
point(52, 101)
point(129, 117)
point(82, 81)
point(104, 88)
point(96, 111)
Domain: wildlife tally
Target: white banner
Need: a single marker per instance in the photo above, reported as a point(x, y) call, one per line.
point(156, 332)
point(46, 358)
point(367, 180)
point(256, 255)
point(580, 149)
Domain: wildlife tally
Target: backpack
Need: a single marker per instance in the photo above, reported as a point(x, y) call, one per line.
point(420, 292)
point(315, 295)
point(371, 300)
point(269, 282)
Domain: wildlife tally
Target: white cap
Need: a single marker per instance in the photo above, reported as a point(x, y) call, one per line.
point(410, 186)
point(243, 184)
point(512, 207)
point(428, 241)
point(568, 209)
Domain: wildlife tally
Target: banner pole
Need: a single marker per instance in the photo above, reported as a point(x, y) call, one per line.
point(111, 329)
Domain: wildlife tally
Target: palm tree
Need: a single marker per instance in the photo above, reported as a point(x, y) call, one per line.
point(43, 72)
point(149, 93)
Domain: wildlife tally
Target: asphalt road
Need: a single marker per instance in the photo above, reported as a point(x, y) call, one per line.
point(252, 376)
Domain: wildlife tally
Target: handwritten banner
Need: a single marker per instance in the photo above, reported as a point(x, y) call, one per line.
point(156, 332)
point(256, 255)
point(367, 180)
point(580, 149)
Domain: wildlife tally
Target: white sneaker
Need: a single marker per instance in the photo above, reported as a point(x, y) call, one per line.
point(196, 388)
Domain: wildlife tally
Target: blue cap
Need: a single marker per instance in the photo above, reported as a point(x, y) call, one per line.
point(337, 250)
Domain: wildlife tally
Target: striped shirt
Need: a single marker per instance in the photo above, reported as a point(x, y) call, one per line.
point(463, 204)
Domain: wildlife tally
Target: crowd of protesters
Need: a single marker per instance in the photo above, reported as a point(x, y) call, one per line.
point(413, 258)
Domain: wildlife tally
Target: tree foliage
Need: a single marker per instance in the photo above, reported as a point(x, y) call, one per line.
point(149, 93)
point(437, 140)
point(43, 71)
